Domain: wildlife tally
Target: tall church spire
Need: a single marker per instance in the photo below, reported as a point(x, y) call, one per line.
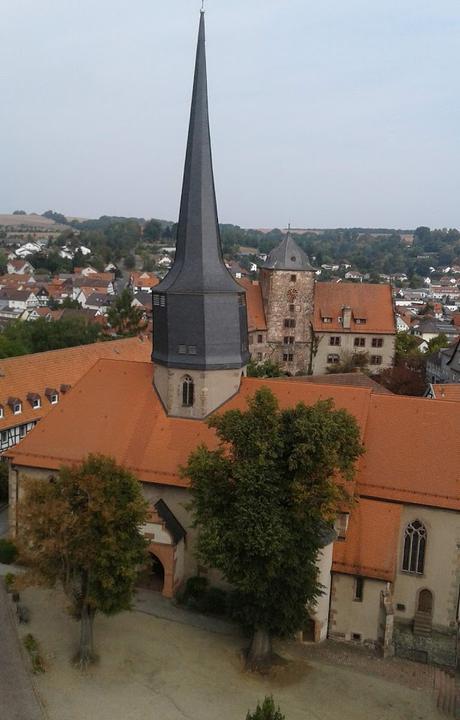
point(198, 264)
point(199, 310)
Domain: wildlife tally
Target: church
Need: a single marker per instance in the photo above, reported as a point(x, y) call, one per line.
point(391, 573)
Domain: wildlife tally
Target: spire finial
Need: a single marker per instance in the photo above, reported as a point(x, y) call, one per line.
point(202, 6)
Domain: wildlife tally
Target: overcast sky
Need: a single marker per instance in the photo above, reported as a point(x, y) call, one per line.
point(323, 114)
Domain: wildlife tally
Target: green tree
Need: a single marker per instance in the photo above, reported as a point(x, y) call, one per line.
point(130, 262)
point(21, 338)
point(265, 369)
point(82, 531)
point(406, 346)
point(124, 318)
point(349, 362)
point(266, 711)
point(438, 342)
point(262, 502)
point(152, 230)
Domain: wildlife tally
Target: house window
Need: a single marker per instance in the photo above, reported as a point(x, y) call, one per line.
point(251, 339)
point(293, 278)
point(288, 340)
point(360, 342)
point(17, 409)
point(188, 391)
point(414, 548)
point(376, 359)
point(192, 349)
point(4, 436)
point(259, 357)
point(335, 340)
point(1, 411)
point(358, 589)
point(36, 403)
point(333, 359)
point(288, 357)
point(182, 350)
point(377, 342)
point(360, 321)
point(289, 323)
point(54, 399)
point(260, 338)
point(291, 308)
point(326, 319)
point(22, 431)
point(341, 525)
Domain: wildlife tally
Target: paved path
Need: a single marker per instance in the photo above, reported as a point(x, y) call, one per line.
point(153, 603)
point(17, 697)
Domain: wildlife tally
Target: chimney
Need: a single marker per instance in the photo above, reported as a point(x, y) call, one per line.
point(346, 317)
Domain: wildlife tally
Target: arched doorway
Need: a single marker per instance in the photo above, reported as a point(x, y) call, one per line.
point(152, 576)
point(157, 573)
point(425, 602)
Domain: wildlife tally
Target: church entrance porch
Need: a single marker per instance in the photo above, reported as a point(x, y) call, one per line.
point(165, 566)
point(153, 575)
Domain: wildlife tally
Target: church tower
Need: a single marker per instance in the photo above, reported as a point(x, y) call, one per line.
point(287, 282)
point(200, 332)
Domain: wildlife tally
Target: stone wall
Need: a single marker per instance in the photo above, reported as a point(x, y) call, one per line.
point(288, 303)
point(438, 649)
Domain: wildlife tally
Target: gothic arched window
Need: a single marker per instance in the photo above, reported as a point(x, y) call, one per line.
point(188, 391)
point(414, 547)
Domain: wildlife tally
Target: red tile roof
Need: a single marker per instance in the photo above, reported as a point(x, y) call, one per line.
point(115, 410)
point(370, 547)
point(255, 305)
point(447, 392)
point(372, 302)
point(413, 451)
point(34, 373)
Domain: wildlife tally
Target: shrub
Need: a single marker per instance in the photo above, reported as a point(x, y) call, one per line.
point(266, 711)
point(8, 551)
point(31, 645)
point(9, 581)
point(214, 601)
point(195, 588)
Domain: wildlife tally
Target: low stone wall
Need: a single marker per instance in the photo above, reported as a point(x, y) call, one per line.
point(438, 649)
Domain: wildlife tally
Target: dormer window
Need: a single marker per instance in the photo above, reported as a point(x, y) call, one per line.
point(52, 395)
point(34, 400)
point(188, 391)
point(327, 319)
point(15, 405)
point(1, 411)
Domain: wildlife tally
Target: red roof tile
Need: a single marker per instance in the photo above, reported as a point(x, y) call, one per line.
point(370, 547)
point(372, 302)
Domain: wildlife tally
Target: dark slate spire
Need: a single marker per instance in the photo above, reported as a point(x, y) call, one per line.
point(288, 256)
point(198, 264)
point(199, 310)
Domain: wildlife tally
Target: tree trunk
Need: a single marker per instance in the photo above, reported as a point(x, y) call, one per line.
point(86, 650)
point(259, 656)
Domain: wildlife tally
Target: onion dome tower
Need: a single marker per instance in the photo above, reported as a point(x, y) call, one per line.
point(200, 333)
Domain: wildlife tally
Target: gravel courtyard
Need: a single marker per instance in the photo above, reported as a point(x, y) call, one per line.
point(168, 670)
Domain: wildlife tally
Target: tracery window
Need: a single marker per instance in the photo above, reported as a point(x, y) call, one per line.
point(414, 547)
point(188, 391)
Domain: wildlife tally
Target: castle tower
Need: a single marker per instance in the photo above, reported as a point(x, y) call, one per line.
point(200, 334)
point(287, 282)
